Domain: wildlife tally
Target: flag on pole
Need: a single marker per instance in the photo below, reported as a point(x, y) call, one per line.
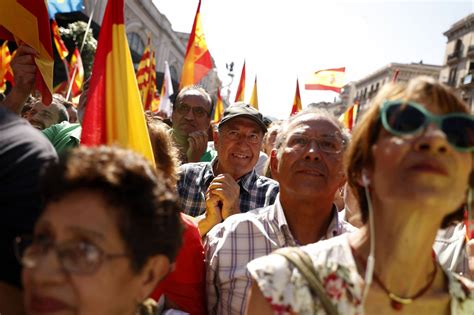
point(27, 21)
point(166, 92)
point(6, 73)
point(76, 71)
point(197, 61)
point(254, 98)
point(146, 76)
point(395, 75)
point(219, 110)
point(58, 42)
point(297, 101)
point(63, 6)
point(239, 96)
point(349, 117)
point(329, 79)
point(114, 112)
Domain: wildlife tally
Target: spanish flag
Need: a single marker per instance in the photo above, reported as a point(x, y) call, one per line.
point(76, 72)
point(239, 96)
point(114, 112)
point(27, 21)
point(219, 110)
point(349, 117)
point(329, 79)
point(6, 73)
point(197, 61)
point(254, 98)
point(58, 42)
point(297, 101)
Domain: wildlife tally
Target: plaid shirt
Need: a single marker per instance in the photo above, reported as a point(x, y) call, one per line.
point(229, 246)
point(255, 191)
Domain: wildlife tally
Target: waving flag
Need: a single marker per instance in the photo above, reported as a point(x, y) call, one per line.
point(349, 117)
point(166, 92)
point(254, 98)
point(297, 101)
point(239, 96)
point(6, 73)
point(219, 110)
point(146, 76)
point(27, 21)
point(114, 112)
point(58, 42)
point(76, 72)
point(197, 61)
point(329, 79)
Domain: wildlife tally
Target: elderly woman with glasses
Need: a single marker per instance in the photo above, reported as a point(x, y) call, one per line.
point(109, 232)
point(408, 165)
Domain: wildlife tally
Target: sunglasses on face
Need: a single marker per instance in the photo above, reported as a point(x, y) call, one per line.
point(198, 111)
point(406, 118)
point(75, 257)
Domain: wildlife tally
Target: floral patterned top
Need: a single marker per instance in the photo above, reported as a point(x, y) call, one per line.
point(287, 290)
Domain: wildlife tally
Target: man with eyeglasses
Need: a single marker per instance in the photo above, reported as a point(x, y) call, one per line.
point(191, 119)
point(212, 191)
point(307, 163)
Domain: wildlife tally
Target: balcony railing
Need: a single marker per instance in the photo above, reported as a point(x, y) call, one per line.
point(454, 57)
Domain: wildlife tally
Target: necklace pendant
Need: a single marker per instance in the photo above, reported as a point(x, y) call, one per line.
point(396, 305)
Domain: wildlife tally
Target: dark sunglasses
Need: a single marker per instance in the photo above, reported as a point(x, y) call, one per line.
point(198, 111)
point(405, 118)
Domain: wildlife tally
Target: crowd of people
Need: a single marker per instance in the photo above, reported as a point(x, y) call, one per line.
point(245, 216)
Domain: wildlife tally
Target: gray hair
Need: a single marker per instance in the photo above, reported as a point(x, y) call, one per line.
point(200, 90)
point(61, 104)
point(283, 130)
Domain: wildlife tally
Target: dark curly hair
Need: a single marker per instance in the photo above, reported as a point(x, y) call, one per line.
point(141, 198)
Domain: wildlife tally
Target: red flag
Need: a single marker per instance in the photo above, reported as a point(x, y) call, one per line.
point(328, 79)
point(297, 101)
point(349, 117)
point(76, 72)
point(58, 42)
point(239, 96)
point(395, 75)
point(27, 21)
point(114, 112)
point(197, 61)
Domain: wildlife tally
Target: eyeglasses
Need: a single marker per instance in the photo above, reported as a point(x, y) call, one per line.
point(77, 257)
point(405, 118)
point(328, 144)
point(198, 111)
point(235, 135)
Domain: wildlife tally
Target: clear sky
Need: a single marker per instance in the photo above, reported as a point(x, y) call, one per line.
point(282, 39)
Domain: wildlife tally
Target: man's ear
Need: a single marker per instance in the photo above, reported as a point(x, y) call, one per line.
point(215, 137)
point(155, 269)
point(274, 164)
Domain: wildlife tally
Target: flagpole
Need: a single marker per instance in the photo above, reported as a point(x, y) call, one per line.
point(80, 50)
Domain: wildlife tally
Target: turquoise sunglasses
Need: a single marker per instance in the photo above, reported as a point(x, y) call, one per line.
point(405, 118)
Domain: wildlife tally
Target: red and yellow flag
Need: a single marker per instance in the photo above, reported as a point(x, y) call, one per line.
point(329, 79)
point(114, 112)
point(197, 61)
point(6, 73)
point(27, 21)
point(146, 76)
point(297, 101)
point(219, 110)
point(58, 42)
point(349, 117)
point(239, 96)
point(254, 98)
point(76, 72)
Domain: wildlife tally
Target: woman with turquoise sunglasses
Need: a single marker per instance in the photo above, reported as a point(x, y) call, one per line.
point(409, 165)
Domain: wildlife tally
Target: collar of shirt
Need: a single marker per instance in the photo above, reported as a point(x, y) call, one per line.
point(245, 182)
point(277, 217)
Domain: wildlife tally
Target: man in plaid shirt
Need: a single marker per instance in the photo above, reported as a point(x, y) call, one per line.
point(307, 163)
point(213, 191)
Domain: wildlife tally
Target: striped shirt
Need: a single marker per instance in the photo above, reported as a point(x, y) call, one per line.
point(229, 246)
point(255, 191)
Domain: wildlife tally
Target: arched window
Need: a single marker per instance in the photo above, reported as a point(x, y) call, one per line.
point(136, 47)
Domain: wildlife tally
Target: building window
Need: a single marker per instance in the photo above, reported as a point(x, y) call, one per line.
point(452, 76)
point(136, 47)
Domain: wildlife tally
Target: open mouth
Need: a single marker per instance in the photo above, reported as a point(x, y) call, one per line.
point(240, 156)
